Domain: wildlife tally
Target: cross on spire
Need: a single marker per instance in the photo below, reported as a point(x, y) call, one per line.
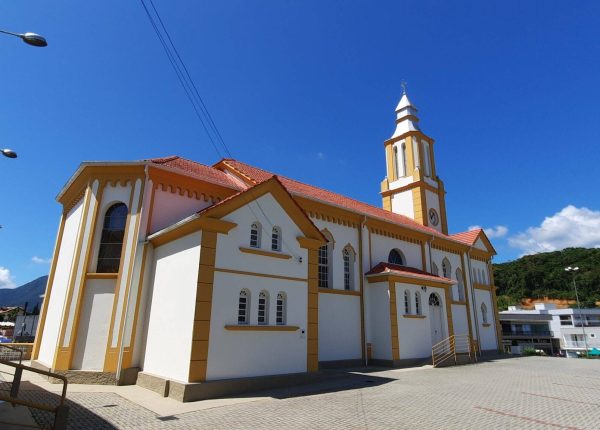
point(403, 85)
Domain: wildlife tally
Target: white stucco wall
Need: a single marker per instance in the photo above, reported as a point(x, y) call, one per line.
point(480, 274)
point(171, 318)
point(459, 319)
point(339, 327)
point(487, 334)
point(379, 301)
point(94, 323)
point(59, 285)
point(382, 245)
point(402, 203)
point(229, 256)
point(342, 236)
point(238, 354)
point(169, 208)
point(414, 334)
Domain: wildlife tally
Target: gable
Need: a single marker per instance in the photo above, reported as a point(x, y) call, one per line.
point(480, 245)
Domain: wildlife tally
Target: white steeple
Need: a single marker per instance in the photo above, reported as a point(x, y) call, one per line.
point(406, 117)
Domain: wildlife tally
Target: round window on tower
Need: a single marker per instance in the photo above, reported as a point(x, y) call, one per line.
point(434, 218)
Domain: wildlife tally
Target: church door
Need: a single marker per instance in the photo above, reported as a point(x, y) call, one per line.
point(435, 319)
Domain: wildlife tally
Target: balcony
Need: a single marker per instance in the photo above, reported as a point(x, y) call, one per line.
point(579, 344)
point(528, 333)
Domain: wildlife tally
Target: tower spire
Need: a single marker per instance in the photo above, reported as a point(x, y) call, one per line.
point(406, 115)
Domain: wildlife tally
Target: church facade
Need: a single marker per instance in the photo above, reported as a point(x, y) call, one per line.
point(193, 273)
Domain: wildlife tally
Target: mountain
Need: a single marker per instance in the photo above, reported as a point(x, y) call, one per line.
point(29, 292)
point(543, 275)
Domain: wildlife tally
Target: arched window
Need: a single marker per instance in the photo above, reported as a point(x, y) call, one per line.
point(395, 257)
point(280, 311)
point(325, 262)
point(418, 309)
point(255, 233)
point(446, 268)
point(427, 158)
point(474, 272)
point(403, 159)
point(348, 256)
point(395, 163)
point(276, 239)
point(484, 313)
point(111, 240)
point(435, 270)
point(263, 308)
point(244, 307)
point(406, 302)
point(460, 285)
point(434, 300)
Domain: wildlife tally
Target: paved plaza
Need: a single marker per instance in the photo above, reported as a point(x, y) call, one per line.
point(513, 393)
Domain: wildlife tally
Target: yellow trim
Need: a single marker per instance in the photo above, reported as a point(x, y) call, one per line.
point(447, 292)
point(459, 302)
point(312, 330)
point(40, 329)
point(394, 322)
point(62, 354)
point(342, 292)
point(309, 243)
point(203, 223)
point(467, 291)
point(483, 287)
point(234, 327)
point(414, 316)
point(202, 313)
point(332, 213)
point(408, 187)
point(110, 358)
point(496, 314)
point(486, 324)
point(265, 253)
point(93, 275)
point(442, 202)
point(260, 275)
point(410, 156)
point(389, 152)
point(150, 209)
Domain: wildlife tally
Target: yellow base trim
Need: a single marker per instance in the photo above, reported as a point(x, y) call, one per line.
point(342, 292)
point(234, 327)
point(458, 302)
point(265, 253)
point(486, 324)
point(101, 275)
point(483, 287)
point(414, 316)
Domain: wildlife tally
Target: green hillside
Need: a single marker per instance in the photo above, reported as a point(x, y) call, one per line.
point(543, 275)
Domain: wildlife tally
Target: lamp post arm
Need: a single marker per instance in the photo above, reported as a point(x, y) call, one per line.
point(11, 33)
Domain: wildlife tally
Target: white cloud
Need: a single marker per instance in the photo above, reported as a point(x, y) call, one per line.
point(320, 155)
point(40, 260)
point(571, 227)
point(6, 280)
point(492, 232)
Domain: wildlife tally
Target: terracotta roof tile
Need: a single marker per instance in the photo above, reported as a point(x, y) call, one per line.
point(468, 237)
point(396, 269)
point(198, 170)
point(310, 191)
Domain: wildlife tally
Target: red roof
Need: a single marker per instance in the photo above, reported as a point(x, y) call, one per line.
point(468, 237)
point(199, 171)
point(312, 192)
point(396, 269)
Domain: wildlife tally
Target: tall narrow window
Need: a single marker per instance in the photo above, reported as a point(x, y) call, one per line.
point(446, 268)
point(403, 160)
point(484, 313)
point(324, 267)
point(263, 308)
point(395, 163)
point(111, 240)
point(244, 307)
point(348, 256)
point(280, 311)
point(406, 302)
point(255, 232)
point(427, 158)
point(460, 285)
point(276, 239)
point(418, 309)
point(395, 257)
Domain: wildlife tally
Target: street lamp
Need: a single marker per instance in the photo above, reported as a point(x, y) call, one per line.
point(581, 317)
point(8, 153)
point(29, 38)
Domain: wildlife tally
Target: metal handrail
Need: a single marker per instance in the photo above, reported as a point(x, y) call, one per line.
point(61, 412)
point(20, 351)
point(450, 347)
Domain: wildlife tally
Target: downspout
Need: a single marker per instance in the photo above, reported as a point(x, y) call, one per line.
point(362, 290)
point(127, 299)
point(473, 297)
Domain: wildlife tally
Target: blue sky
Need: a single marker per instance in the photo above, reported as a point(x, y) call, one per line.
point(307, 89)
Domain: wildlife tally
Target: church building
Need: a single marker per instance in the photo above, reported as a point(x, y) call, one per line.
point(181, 275)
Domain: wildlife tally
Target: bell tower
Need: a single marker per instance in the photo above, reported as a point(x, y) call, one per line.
point(411, 186)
